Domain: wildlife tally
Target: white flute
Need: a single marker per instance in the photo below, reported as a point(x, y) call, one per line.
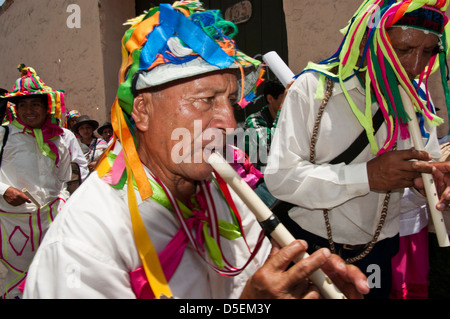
point(430, 187)
point(34, 200)
point(263, 214)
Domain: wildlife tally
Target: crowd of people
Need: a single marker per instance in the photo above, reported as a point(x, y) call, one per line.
point(341, 175)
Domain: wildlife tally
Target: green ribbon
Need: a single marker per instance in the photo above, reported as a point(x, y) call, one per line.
point(227, 230)
point(37, 133)
point(443, 70)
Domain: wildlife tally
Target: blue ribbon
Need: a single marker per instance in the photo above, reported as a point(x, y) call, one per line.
point(156, 41)
point(173, 23)
point(430, 106)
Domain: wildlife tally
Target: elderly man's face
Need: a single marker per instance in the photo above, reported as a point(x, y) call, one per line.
point(186, 120)
point(32, 111)
point(414, 49)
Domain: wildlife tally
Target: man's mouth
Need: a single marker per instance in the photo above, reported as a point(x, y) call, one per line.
point(30, 117)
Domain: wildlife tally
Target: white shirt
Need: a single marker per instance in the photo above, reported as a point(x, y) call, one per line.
point(414, 213)
point(24, 166)
point(95, 150)
point(343, 189)
point(76, 154)
point(89, 251)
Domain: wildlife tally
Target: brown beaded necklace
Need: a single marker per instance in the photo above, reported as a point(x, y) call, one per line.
point(368, 247)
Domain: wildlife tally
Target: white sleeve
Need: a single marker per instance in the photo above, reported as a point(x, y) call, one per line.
point(77, 272)
point(291, 177)
point(3, 186)
point(76, 154)
point(84, 254)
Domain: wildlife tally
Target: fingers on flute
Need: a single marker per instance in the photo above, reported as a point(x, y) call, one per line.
point(444, 201)
point(305, 267)
point(312, 293)
point(421, 167)
point(281, 258)
point(413, 154)
point(301, 270)
point(299, 283)
point(349, 278)
point(273, 281)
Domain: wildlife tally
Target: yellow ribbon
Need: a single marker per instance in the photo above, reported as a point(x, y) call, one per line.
point(146, 250)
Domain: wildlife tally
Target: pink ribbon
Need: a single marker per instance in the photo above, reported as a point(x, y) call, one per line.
point(245, 169)
point(170, 257)
point(49, 131)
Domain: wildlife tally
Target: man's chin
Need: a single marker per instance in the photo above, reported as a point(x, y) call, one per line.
point(199, 172)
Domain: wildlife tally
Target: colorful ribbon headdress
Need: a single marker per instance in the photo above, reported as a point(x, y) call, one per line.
point(168, 43)
point(29, 85)
point(384, 70)
point(71, 115)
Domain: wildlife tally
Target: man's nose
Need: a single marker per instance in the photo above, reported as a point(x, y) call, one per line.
point(224, 118)
point(26, 107)
point(415, 64)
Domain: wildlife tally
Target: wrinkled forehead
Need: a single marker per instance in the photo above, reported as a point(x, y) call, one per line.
point(222, 80)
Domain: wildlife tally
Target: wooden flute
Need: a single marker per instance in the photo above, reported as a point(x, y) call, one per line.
point(269, 221)
point(430, 187)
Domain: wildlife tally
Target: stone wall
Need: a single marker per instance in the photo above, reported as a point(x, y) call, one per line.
point(82, 60)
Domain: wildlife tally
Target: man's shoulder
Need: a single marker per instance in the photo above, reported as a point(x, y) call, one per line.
point(7, 131)
point(96, 188)
point(3, 130)
point(308, 75)
point(94, 198)
point(8, 128)
point(305, 83)
point(68, 134)
point(4, 133)
point(102, 143)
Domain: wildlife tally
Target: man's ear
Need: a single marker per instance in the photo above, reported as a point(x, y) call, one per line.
point(141, 111)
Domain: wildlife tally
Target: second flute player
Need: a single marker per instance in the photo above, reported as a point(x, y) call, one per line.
point(342, 153)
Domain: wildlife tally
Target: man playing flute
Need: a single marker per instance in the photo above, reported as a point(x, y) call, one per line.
point(151, 222)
